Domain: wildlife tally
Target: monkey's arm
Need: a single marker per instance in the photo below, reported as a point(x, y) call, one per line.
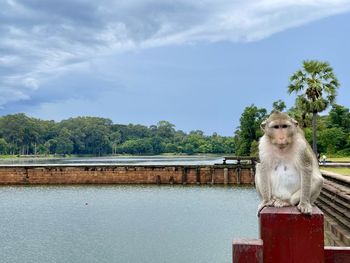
point(262, 182)
point(306, 175)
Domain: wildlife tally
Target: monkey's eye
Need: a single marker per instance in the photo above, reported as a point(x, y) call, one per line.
point(284, 126)
point(275, 126)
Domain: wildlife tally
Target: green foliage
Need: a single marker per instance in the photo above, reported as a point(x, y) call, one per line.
point(3, 146)
point(318, 85)
point(279, 105)
point(339, 116)
point(308, 135)
point(304, 118)
point(332, 140)
point(136, 146)
point(249, 129)
point(334, 132)
point(20, 134)
point(254, 148)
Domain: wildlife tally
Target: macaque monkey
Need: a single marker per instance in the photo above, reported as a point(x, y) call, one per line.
point(288, 172)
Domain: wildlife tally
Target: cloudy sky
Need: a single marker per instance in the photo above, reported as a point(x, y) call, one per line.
point(195, 63)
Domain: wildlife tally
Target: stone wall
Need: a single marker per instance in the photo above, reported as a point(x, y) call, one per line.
point(132, 174)
point(334, 201)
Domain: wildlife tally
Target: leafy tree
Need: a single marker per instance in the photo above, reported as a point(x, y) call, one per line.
point(51, 146)
point(229, 144)
point(332, 140)
point(318, 83)
point(254, 148)
point(165, 129)
point(298, 113)
point(339, 116)
point(3, 146)
point(249, 129)
point(136, 146)
point(115, 139)
point(157, 145)
point(170, 148)
point(279, 105)
point(20, 134)
point(64, 143)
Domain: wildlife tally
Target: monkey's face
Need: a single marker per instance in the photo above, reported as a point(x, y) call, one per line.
point(280, 132)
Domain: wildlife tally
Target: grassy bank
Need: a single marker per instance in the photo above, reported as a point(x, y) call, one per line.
point(342, 171)
point(339, 159)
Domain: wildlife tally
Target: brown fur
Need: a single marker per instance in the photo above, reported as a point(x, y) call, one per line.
point(288, 173)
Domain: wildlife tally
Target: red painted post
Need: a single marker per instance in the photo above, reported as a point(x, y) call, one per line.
point(291, 237)
point(337, 254)
point(247, 250)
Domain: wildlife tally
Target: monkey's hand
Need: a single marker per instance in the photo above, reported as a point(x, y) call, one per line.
point(305, 208)
point(265, 203)
point(280, 203)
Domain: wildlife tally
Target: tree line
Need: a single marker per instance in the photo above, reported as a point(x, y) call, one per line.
point(315, 86)
point(23, 135)
point(333, 129)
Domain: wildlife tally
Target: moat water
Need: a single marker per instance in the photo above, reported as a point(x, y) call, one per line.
point(146, 224)
point(120, 160)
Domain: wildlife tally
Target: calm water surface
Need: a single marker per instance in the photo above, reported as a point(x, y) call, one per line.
point(120, 160)
point(148, 224)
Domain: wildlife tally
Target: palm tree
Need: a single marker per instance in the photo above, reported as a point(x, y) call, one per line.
point(318, 83)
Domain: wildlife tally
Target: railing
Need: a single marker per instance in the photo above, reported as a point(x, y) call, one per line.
point(237, 159)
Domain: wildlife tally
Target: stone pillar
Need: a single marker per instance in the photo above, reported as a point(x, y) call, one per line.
point(198, 175)
point(225, 175)
point(238, 173)
point(252, 174)
point(247, 250)
point(212, 175)
point(290, 236)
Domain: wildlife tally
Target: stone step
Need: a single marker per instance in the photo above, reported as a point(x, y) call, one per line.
point(336, 203)
point(340, 190)
point(341, 213)
point(342, 221)
point(337, 178)
point(333, 198)
point(335, 235)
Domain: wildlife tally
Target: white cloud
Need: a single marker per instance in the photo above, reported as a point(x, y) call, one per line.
point(8, 94)
point(41, 38)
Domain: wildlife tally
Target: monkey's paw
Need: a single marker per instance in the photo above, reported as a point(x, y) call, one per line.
point(305, 208)
point(264, 204)
point(280, 203)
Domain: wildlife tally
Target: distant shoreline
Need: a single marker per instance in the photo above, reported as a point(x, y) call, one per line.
point(60, 156)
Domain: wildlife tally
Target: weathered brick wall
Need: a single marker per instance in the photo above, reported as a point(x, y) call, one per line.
point(208, 174)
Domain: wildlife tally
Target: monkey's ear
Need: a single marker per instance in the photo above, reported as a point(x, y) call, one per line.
point(263, 125)
point(295, 122)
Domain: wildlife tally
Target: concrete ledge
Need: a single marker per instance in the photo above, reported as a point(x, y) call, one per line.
point(336, 176)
